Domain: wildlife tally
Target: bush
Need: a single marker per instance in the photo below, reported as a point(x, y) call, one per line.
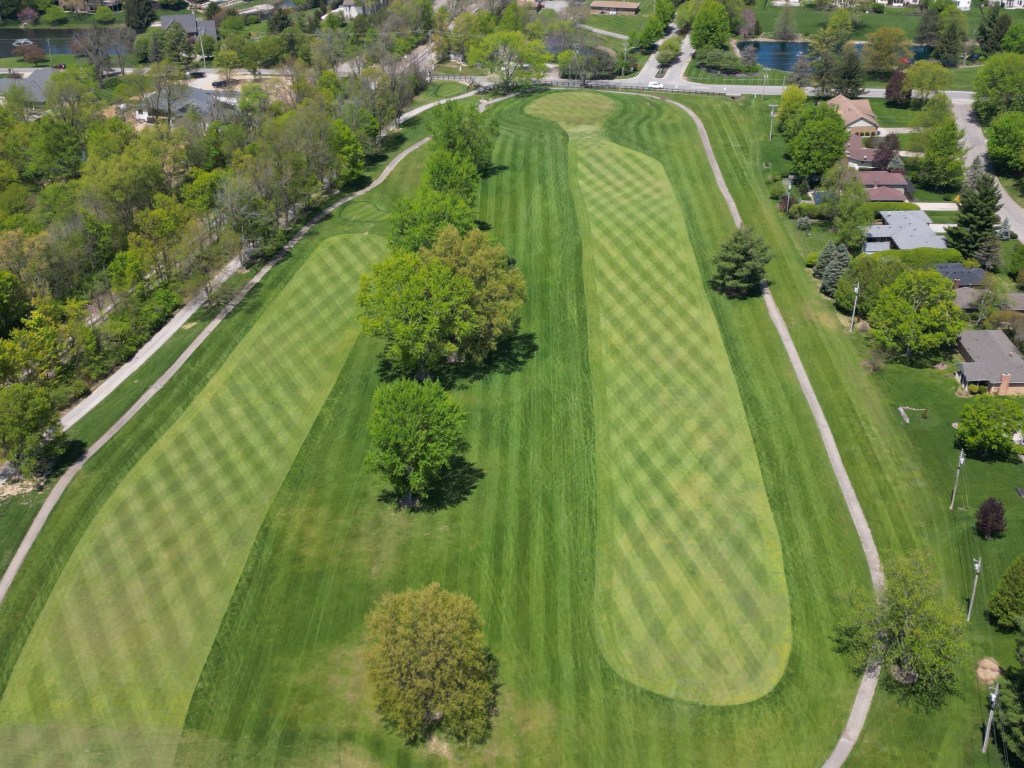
point(973, 389)
point(722, 62)
point(925, 257)
point(1006, 605)
point(776, 190)
point(810, 210)
point(104, 16)
point(812, 259)
point(990, 519)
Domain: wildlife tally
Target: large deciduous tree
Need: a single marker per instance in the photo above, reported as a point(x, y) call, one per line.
point(887, 50)
point(430, 667)
point(417, 221)
point(819, 142)
point(711, 26)
point(987, 425)
point(792, 101)
point(512, 57)
point(740, 264)
point(30, 431)
point(461, 129)
point(911, 634)
point(453, 174)
point(415, 435)
point(420, 307)
point(999, 86)
point(14, 302)
point(499, 289)
point(990, 519)
point(916, 317)
point(925, 78)
point(1006, 142)
point(975, 232)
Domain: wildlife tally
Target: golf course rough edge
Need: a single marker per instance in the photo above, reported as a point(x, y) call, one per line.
point(690, 595)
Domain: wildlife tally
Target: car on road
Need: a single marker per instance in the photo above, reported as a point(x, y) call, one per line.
point(655, 84)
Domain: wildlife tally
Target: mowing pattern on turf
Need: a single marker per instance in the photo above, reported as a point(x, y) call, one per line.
point(691, 593)
point(116, 653)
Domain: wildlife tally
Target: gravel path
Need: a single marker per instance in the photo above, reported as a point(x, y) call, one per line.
point(868, 683)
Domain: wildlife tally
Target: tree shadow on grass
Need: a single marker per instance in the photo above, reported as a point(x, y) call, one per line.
point(449, 490)
point(510, 356)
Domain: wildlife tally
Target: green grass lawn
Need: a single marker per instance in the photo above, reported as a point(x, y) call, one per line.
point(437, 90)
point(140, 582)
point(622, 24)
point(284, 681)
point(808, 20)
point(893, 117)
point(698, 75)
point(903, 473)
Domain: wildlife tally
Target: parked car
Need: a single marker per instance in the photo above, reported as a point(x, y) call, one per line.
point(655, 84)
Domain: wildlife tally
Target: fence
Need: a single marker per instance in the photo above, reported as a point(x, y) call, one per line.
point(604, 85)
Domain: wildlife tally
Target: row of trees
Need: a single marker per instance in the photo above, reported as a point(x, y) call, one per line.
point(445, 297)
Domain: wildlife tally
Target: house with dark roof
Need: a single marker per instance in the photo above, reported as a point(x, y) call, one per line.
point(961, 276)
point(859, 156)
point(886, 195)
point(875, 179)
point(210, 106)
point(901, 230)
point(967, 298)
point(192, 25)
point(990, 361)
point(33, 83)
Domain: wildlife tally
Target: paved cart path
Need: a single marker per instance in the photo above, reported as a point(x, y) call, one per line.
point(868, 683)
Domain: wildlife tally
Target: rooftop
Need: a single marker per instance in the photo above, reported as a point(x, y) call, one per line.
point(189, 23)
point(34, 83)
point(616, 5)
point(883, 179)
point(852, 110)
point(988, 355)
point(887, 195)
point(855, 150)
point(963, 276)
point(967, 298)
point(902, 230)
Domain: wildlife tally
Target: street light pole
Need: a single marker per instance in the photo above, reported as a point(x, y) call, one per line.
point(992, 699)
point(974, 589)
point(956, 482)
point(853, 315)
point(764, 85)
point(771, 125)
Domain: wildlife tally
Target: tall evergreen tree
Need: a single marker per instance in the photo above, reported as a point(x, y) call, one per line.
point(849, 78)
point(975, 232)
point(740, 263)
point(992, 29)
point(835, 269)
point(139, 14)
point(824, 259)
point(949, 49)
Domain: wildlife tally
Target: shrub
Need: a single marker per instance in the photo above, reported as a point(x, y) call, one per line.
point(877, 208)
point(812, 259)
point(973, 389)
point(104, 15)
point(925, 257)
point(810, 210)
point(1006, 605)
point(722, 62)
point(990, 519)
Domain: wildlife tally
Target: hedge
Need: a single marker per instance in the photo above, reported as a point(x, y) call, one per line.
point(877, 208)
point(924, 257)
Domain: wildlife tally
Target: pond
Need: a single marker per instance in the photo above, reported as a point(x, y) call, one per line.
point(783, 56)
point(53, 40)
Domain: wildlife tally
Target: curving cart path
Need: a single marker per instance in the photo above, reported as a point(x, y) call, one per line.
point(868, 683)
point(158, 341)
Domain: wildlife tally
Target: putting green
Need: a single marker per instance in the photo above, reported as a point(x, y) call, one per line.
point(115, 655)
point(691, 598)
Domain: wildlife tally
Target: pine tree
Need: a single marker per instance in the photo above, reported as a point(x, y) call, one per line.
point(740, 263)
point(824, 259)
point(139, 14)
point(835, 269)
point(850, 73)
point(785, 26)
point(974, 234)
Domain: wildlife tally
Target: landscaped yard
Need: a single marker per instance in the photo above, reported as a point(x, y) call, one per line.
point(623, 24)
point(233, 553)
point(698, 75)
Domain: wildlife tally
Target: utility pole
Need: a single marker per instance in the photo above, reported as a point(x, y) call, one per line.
point(625, 52)
point(764, 84)
point(992, 699)
point(771, 125)
point(853, 315)
point(956, 482)
point(974, 589)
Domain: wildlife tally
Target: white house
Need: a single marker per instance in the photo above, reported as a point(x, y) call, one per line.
point(1010, 5)
point(963, 5)
point(349, 9)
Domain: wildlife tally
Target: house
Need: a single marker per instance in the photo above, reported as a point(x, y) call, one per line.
point(901, 230)
point(210, 106)
point(349, 9)
point(901, 3)
point(874, 179)
point(193, 26)
point(263, 10)
point(859, 156)
point(612, 7)
point(858, 117)
point(33, 83)
point(962, 277)
point(1010, 5)
point(967, 299)
point(990, 361)
point(886, 195)
point(964, 5)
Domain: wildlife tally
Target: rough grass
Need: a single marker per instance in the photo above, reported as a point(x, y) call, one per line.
point(903, 473)
point(691, 597)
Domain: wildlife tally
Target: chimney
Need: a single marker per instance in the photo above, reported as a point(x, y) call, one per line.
point(956, 282)
point(1004, 384)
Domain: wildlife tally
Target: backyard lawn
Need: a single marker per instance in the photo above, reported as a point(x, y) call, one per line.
point(622, 24)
